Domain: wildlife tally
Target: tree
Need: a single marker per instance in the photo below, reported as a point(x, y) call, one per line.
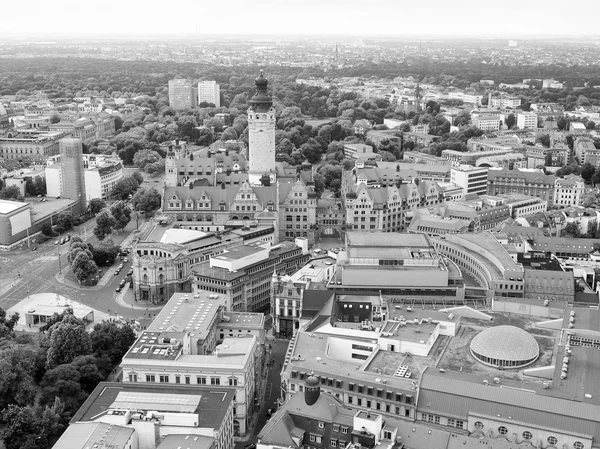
point(105, 254)
point(68, 340)
point(64, 383)
point(510, 120)
point(83, 266)
point(229, 134)
point(105, 224)
point(146, 201)
point(11, 193)
point(587, 171)
point(125, 187)
point(17, 368)
point(544, 139)
point(39, 184)
point(138, 177)
point(96, 205)
point(54, 118)
point(32, 427)
point(572, 230)
point(121, 213)
point(88, 370)
point(47, 230)
point(64, 221)
point(111, 341)
point(145, 157)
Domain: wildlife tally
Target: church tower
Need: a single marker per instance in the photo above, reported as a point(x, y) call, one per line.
point(261, 127)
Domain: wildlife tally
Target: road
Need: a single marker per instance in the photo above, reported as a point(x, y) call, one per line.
point(272, 391)
point(24, 272)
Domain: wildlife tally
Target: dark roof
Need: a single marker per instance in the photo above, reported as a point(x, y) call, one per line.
point(211, 411)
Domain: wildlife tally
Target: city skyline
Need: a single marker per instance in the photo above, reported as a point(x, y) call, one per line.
point(311, 17)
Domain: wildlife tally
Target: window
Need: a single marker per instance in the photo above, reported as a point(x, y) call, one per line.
point(478, 425)
point(361, 388)
point(163, 379)
point(350, 386)
point(177, 379)
point(527, 435)
point(187, 380)
point(321, 425)
point(370, 391)
point(333, 443)
point(502, 430)
point(318, 438)
point(552, 440)
point(215, 381)
point(312, 438)
point(360, 356)
point(577, 445)
point(201, 380)
point(344, 430)
point(150, 378)
point(233, 382)
point(336, 428)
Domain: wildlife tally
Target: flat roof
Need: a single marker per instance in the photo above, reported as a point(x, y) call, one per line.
point(91, 434)
point(6, 206)
point(190, 441)
point(243, 320)
point(238, 252)
point(211, 408)
point(387, 240)
point(49, 207)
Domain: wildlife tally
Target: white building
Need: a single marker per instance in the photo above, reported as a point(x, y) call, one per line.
point(487, 122)
point(569, 191)
point(527, 120)
point(470, 179)
point(261, 136)
point(100, 179)
point(181, 346)
point(209, 92)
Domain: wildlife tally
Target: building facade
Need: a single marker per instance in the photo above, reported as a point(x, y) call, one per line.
point(72, 173)
point(523, 181)
point(209, 92)
point(569, 191)
point(181, 94)
point(472, 180)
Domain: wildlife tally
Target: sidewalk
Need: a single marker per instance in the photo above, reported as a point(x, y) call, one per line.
point(125, 299)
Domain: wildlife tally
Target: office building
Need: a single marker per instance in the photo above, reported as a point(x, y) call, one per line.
point(261, 137)
point(243, 274)
point(527, 120)
point(184, 345)
point(472, 180)
point(209, 92)
point(569, 191)
point(523, 181)
point(181, 94)
point(487, 122)
point(72, 172)
point(126, 415)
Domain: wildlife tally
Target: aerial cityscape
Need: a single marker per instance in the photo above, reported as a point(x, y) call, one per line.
point(289, 234)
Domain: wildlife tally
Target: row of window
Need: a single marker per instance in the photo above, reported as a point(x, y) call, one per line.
point(200, 380)
point(527, 435)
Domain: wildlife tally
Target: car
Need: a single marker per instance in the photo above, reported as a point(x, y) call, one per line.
point(120, 266)
point(130, 272)
point(34, 248)
point(63, 241)
point(57, 242)
point(122, 283)
point(118, 289)
point(250, 446)
point(125, 260)
point(117, 272)
point(68, 238)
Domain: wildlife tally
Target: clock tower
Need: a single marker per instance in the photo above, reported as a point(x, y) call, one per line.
point(261, 127)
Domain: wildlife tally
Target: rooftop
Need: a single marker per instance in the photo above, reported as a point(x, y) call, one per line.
point(187, 312)
point(6, 207)
point(387, 240)
point(89, 434)
point(238, 252)
point(211, 402)
point(191, 441)
point(508, 343)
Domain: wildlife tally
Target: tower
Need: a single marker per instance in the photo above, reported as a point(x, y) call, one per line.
point(312, 390)
point(171, 168)
point(261, 127)
point(71, 166)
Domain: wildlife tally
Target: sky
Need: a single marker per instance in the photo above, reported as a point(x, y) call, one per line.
point(470, 18)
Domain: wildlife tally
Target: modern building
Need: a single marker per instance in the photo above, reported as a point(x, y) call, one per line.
point(527, 120)
point(569, 191)
point(261, 137)
point(523, 181)
point(182, 94)
point(184, 346)
point(243, 274)
point(72, 172)
point(209, 92)
point(127, 415)
point(472, 180)
point(487, 122)
point(417, 157)
point(424, 172)
point(359, 150)
point(515, 160)
point(583, 147)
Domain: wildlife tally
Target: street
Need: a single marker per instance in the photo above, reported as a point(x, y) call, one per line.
point(272, 392)
point(24, 272)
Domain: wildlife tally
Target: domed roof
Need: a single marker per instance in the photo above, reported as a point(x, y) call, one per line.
point(261, 80)
point(261, 102)
point(312, 381)
point(507, 343)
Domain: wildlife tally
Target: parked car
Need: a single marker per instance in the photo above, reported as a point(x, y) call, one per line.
point(125, 260)
point(68, 238)
point(117, 272)
point(130, 272)
point(118, 289)
point(250, 446)
point(57, 242)
point(34, 248)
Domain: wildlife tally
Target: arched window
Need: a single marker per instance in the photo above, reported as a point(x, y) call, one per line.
point(145, 279)
point(502, 430)
point(161, 278)
point(552, 440)
point(527, 435)
point(478, 425)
